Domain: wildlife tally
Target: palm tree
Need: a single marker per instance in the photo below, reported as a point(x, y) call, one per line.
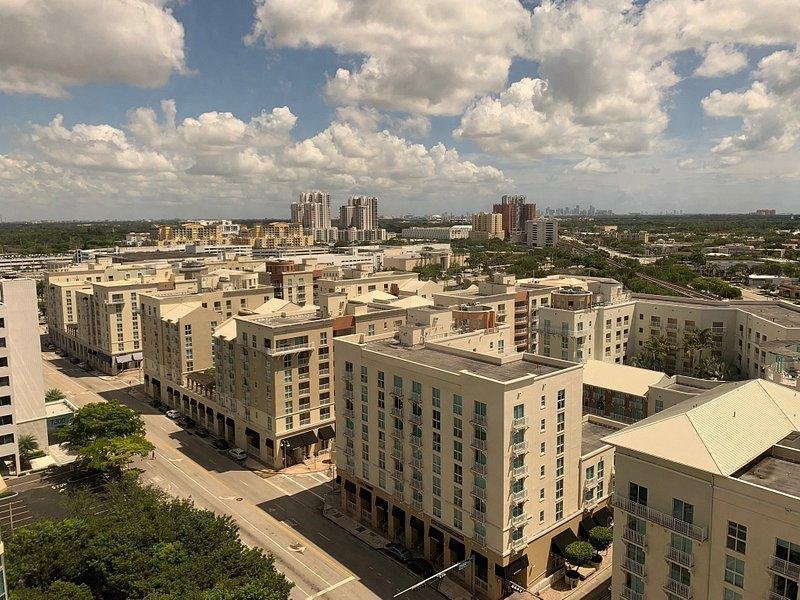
point(54, 395)
point(711, 367)
point(28, 447)
point(654, 353)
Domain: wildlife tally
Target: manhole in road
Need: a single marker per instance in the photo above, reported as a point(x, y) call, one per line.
point(239, 499)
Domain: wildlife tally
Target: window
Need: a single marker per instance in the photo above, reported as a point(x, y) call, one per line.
point(734, 571)
point(436, 397)
point(458, 451)
point(458, 403)
point(542, 425)
point(562, 399)
point(682, 510)
point(559, 510)
point(458, 519)
point(437, 442)
point(543, 402)
point(737, 537)
point(457, 428)
point(637, 493)
point(458, 474)
point(437, 508)
point(729, 594)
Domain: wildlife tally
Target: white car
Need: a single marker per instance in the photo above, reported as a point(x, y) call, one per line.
point(172, 413)
point(237, 454)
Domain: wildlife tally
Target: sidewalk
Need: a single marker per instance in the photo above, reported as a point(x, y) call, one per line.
point(560, 590)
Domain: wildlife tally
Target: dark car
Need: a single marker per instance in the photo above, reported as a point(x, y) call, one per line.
point(220, 444)
point(162, 407)
point(398, 552)
point(74, 360)
point(202, 432)
point(182, 421)
point(190, 423)
point(421, 567)
point(155, 403)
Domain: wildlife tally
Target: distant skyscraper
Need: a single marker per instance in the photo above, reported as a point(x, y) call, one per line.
point(312, 210)
point(515, 211)
point(360, 212)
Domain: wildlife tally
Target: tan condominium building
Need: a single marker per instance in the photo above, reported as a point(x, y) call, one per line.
point(338, 285)
point(404, 260)
point(459, 452)
point(707, 498)
point(197, 232)
point(486, 226)
point(280, 235)
point(22, 406)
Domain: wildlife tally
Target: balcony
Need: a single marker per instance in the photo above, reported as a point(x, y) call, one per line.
point(416, 397)
point(685, 559)
point(349, 433)
point(415, 419)
point(416, 504)
point(398, 392)
point(416, 441)
point(397, 453)
point(632, 566)
point(478, 420)
point(519, 472)
point(478, 444)
point(519, 423)
point(479, 492)
point(396, 411)
point(517, 544)
point(516, 496)
point(416, 484)
point(397, 432)
point(654, 516)
point(349, 451)
point(416, 463)
point(679, 589)
point(519, 519)
point(348, 376)
point(397, 475)
point(628, 594)
point(348, 394)
point(349, 413)
point(479, 468)
point(784, 568)
point(478, 516)
point(634, 537)
point(288, 348)
point(519, 448)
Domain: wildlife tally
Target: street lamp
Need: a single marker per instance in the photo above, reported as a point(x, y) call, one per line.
point(284, 446)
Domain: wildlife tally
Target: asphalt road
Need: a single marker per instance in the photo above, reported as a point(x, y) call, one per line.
point(280, 513)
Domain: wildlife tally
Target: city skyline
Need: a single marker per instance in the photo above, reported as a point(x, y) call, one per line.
point(179, 108)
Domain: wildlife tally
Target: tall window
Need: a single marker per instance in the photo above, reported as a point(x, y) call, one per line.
point(682, 510)
point(734, 571)
point(737, 537)
point(637, 493)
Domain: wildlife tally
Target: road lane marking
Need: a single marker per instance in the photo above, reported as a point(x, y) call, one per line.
point(297, 483)
point(334, 586)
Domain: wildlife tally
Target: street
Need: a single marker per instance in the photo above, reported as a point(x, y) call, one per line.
point(279, 513)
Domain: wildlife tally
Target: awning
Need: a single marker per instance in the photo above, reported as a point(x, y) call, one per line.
point(381, 504)
point(220, 417)
point(137, 356)
point(398, 513)
point(326, 432)
point(435, 534)
point(512, 568)
point(123, 358)
point(349, 486)
point(456, 546)
point(585, 526)
point(300, 440)
point(365, 495)
point(604, 517)
point(560, 542)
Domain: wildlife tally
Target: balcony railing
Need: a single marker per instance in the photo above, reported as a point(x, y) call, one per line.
point(478, 419)
point(397, 453)
point(519, 422)
point(479, 492)
point(349, 451)
point(416, 484)
point(478, 515)
point(516, 496)
point(416, 441)
point(633, 536)
point(478, 444)
point(678, 589)
point(785, 568)
point(415, 419)
point(519, 472)
point(416, 463)
point(417, 504)
point(396, 412)
point(349, 433)
point(398, 392)
point(632, 566)
point(285, 349)
point(349, 413)
point(518, 543)
point(628, 594)
point(348, 376)
point(415, 397)
point(479, 468)
point(348, 394)
point(655, 516)
point(680, 557)
point(519, 519)
point(519, 447)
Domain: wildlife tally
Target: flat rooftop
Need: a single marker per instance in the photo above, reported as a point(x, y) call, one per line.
point(438, 359)
point(592, 436)
point(776, 474)
point(782, 315)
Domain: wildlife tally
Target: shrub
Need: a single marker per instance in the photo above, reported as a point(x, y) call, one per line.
point(601, 537)
point(578, 553)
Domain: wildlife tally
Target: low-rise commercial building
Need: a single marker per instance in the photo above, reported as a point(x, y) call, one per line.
point(707, 497)
point(454, 232)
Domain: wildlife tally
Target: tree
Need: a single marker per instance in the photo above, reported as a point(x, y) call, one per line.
point(601, 538)
point(101, 420)
point(578, 553)
point(712, 367)
point(142, 545)
point(113, 455)
point(653, 354)
point(54, 395)
point(28, 448)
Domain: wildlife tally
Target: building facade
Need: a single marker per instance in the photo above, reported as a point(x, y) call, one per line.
point(541, 232)
point(486, 226)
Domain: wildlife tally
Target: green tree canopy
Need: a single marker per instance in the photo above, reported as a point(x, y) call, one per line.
point(601, 537)
point(54, 395)
point(142, 545)
point(101, 420)
point(113, 455)
point(578, 553)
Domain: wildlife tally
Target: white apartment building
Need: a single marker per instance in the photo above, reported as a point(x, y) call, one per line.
point(541, 232)
point(454, 232)
point(22, 407)
point(458, 451)
point(707, 498)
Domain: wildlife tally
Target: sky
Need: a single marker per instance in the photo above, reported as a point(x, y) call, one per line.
point(113, 109)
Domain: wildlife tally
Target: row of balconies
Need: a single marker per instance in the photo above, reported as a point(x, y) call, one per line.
point(665, 520)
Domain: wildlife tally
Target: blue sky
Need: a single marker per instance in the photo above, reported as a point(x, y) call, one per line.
point(431, 105)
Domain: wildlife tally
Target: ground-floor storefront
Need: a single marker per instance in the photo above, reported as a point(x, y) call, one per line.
point(489, 575)
point(96, 359)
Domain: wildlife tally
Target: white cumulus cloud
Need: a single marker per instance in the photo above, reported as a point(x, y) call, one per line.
point(721, 59)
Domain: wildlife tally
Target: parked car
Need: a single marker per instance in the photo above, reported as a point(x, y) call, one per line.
point(75, 360)
point(220, 444)
point(162, 408)
point(182, 421)
point(398, 552)
point(421, 567)
point(172, 413)
point(202, 432)
point(237, 454)
point(155, 402)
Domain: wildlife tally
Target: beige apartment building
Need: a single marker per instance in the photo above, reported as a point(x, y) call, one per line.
point(280, 235)
point(486, 226)
point(22, 406)
point(405, 260)
point(214, 233)
point(456, 450)
point(338, 285)
point(707, 498)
